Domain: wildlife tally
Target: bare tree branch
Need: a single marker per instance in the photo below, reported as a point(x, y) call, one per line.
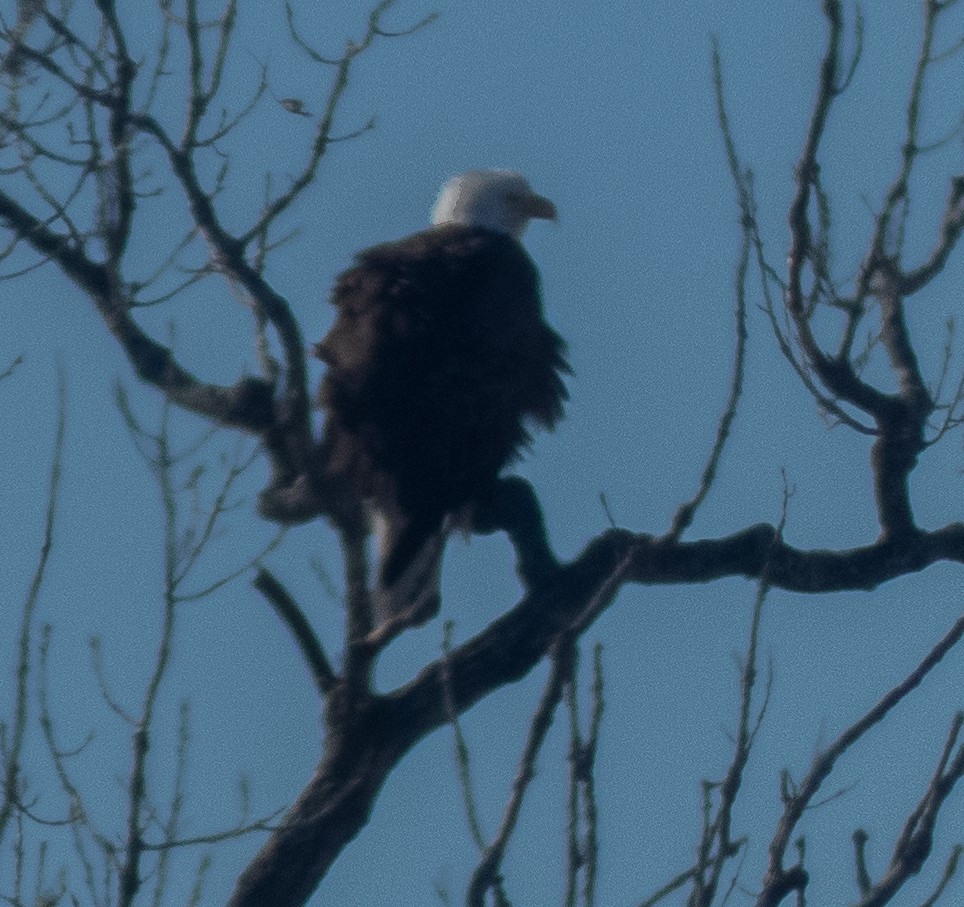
point(899, 418)
point(486, 875)
point(914, 844)
point(462, 758)
point(778, 880)
point(12, 757)
point(949, 232)
point(102, 98)
point(582, 850)
point(294, 618)
point(685, 513)
point(323, 136)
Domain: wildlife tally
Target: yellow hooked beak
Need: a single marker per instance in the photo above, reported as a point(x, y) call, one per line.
point(535, 206)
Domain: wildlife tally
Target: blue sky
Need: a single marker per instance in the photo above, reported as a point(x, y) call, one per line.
point(609, 111)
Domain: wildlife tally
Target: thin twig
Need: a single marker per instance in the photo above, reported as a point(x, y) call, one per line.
point(12, 766)
point(487, 875)
point(462, 756)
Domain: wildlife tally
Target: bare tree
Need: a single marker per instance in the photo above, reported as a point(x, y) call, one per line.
point(85, 134)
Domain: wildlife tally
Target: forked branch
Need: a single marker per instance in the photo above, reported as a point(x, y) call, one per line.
point(778, 878)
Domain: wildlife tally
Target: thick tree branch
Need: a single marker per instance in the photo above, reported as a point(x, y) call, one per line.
point(101, 86)
point(246, 405)
point(368, 736)
point(514, 509)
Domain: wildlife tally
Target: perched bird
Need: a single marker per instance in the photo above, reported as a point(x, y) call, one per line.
point(439, 362)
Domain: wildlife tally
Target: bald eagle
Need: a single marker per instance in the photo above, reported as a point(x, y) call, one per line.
point(439, 362)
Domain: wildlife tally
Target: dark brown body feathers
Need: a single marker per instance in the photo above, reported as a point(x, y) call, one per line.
point(439, 361)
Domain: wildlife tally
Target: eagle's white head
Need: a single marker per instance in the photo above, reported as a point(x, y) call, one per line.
point(500, 200)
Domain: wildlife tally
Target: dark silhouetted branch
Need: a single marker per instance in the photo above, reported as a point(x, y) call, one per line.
point(916, 832)
point(582, 847)
point(486, 875)
point(514, 509)
point(462, 757)
point(294, 619)
point(916, 840)
point(13, 748)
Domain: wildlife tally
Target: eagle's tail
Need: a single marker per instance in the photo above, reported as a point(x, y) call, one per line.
point(410, 566)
